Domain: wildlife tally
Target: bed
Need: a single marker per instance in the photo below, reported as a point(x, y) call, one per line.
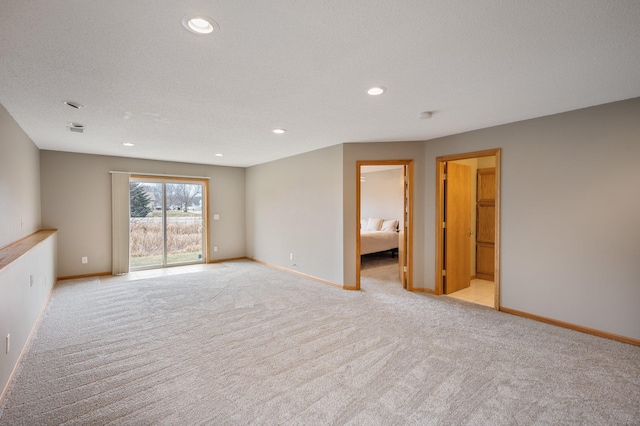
point(378, 235)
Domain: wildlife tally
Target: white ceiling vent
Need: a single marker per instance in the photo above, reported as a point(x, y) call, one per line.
point(75, 127)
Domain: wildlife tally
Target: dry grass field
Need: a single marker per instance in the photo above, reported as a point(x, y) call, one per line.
point(184, 240)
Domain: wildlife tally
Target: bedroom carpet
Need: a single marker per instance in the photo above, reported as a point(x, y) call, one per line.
point(247, 344)
point(379, 268)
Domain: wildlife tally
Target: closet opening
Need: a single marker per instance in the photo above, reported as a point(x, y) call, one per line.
point(468, 227)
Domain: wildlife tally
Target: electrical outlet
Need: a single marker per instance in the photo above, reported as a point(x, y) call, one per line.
point(215, 248)
point(290, 256)
point(8, 342)
point(85, 259)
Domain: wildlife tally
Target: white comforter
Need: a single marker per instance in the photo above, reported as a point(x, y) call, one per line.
point(375, 241)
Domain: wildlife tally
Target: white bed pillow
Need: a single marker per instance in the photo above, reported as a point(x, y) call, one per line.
point(374, 224)
point(389, 225)
point(363, 223)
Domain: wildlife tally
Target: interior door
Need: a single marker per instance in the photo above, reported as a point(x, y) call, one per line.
point(457, 258)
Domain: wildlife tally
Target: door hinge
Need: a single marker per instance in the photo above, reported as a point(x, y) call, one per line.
point(444, 176)
point(404, 269)
point(444, 225)
point(444, 273)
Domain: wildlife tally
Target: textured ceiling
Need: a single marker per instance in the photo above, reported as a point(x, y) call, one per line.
point(304, 66)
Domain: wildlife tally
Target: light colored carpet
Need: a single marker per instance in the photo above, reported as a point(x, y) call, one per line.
point(247, 344)
point(378, 268)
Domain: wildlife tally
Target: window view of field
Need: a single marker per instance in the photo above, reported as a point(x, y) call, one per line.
point(184, 224)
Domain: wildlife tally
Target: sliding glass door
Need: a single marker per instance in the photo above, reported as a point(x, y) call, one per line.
point(167, 223)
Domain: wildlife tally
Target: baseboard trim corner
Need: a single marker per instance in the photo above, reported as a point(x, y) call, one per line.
point(301, 274)
point(571, 326)
point(230, 259)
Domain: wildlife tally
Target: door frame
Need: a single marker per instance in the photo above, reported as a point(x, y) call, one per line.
point(408, 249)
point(440, 162)
point(205, 213)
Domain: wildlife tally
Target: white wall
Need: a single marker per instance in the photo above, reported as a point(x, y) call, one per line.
point(76, 199)
point(294, 205)
point(25, 286)
point(381, 194)
point(19, 182)
point(570, 243)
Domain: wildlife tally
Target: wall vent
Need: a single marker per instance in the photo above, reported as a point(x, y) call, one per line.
point(75, 127)
point(73, 104)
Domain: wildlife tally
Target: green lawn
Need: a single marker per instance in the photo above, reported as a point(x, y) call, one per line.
point(156, 260)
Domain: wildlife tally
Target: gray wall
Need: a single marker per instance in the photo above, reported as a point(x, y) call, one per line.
point(19, 182)
point(570, 203)
point(382, 194)
point(25, 284)
point(76, 199)
point(570, 245)
point(294, 205)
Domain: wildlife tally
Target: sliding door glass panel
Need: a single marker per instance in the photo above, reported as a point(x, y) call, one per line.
point(146, 225)
point(166, 223)
point(184, 231)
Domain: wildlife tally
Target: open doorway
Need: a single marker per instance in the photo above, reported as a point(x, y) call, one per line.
point(384, 221)
point(467, 227)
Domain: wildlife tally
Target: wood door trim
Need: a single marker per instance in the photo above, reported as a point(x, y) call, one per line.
point(408, 173)
point(496, 255)
point(440, 162)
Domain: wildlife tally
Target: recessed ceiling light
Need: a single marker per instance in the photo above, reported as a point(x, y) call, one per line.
point(73, 104)
point(199, 24)
point(219, 155)
point(279, 131)
point(377, 90)
point(127, 144)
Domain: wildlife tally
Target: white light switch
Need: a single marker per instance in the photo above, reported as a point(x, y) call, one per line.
point(216, 217)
